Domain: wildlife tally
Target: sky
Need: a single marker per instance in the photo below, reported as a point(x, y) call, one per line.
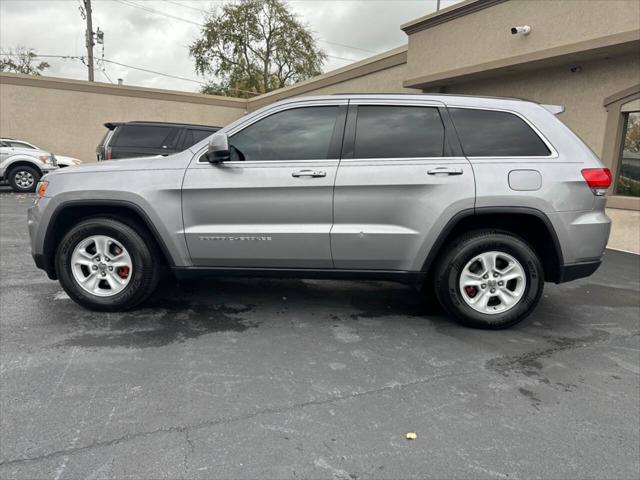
point(155, 34)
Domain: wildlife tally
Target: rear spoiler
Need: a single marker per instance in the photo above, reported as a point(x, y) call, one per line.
point(555, 109)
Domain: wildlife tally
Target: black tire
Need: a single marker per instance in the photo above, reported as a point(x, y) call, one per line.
point(465, 248)
point(23, 170)
point(145, 271)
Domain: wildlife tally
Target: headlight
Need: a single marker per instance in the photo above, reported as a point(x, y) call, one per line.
point(45, 159)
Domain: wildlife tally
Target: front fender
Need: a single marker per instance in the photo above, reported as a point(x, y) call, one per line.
point(8, 162)
point(154, 195)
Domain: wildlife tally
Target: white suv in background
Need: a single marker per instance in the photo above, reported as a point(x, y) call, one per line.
point(23, 164)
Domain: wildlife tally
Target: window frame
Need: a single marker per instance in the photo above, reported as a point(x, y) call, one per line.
point(267, 112)
point(113, 141)
point(271, 110)
point(350, 130)
point(553, 152)
point(349, 149)
point(618, 161)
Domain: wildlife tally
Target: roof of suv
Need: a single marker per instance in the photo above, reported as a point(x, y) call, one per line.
point(112, 125)
point(445, 98)
point(469, 101)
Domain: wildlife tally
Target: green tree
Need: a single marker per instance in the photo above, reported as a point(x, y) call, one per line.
point(21, 60)
point(253, 47)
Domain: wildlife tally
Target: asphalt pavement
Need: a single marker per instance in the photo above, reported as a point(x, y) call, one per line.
point(267, 378)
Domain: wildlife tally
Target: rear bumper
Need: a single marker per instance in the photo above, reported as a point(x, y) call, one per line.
point(574, 271)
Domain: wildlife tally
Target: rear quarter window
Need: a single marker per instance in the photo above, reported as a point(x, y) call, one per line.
point(145, 136)
point(490, 133)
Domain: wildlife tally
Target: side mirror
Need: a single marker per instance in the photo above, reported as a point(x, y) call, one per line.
point(218, 150)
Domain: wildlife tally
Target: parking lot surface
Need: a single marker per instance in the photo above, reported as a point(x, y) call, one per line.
point(245, 378)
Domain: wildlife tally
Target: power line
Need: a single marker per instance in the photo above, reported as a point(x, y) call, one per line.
point(346, 46)
point(187, 6)
point(104, 72)
point(131, 3)
point(82, 59)
point(157, 12)
point(154, 72)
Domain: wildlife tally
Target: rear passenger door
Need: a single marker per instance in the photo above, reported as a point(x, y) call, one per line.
point(401, 178)
point(143, 140)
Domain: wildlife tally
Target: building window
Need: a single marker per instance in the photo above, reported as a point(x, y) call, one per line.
point(628, 182)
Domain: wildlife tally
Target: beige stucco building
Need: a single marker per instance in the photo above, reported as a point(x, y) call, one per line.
point(583, 54)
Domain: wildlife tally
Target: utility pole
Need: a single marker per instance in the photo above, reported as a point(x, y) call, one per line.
point(89, 38)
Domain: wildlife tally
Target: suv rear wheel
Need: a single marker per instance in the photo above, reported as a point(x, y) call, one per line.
point(489, 279)
point(23, 178)
point(106, 265)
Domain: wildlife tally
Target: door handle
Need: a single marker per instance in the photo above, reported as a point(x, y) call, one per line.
point(445, 171)
point(309, 173)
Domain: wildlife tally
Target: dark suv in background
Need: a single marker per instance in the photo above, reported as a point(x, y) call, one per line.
point(142, 139)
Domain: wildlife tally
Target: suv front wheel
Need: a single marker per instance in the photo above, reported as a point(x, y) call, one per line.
point(23, 178)
point(105, 265)
point(489, 279)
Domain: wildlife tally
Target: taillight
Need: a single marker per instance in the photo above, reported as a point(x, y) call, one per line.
point(108, 155)
point(598, 179)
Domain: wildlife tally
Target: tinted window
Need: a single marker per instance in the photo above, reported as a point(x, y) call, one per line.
point(195, 136)
point(146, 136)
point(398, 132)
point(297, 134)
point(20, 145)
point(486, 133)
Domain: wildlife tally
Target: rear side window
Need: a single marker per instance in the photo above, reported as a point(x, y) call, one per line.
point(21, 145)
point(398, 132)
point(488, 133)
point(195, 136)
point(146, 136)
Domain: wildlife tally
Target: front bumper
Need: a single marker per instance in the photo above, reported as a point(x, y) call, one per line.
point(36, 236)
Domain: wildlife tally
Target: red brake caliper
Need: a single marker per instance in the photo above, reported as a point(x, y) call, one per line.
point(123, 272)
point(471, 291)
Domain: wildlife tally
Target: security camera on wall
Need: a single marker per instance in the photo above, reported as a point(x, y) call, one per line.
point(522, 30)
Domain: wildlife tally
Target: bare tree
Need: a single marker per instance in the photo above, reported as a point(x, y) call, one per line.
point(21, 60)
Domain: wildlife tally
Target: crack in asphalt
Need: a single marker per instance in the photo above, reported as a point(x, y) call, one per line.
point(224, 421)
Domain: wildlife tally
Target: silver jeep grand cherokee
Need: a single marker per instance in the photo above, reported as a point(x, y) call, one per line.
point(480, 200)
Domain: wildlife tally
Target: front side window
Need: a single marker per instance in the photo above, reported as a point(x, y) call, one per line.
point(296, 134)
point(489, 133)
point(628, 182)
point(398, 132)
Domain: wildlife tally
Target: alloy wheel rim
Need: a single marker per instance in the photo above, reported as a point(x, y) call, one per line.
point(24, 179)
point(101, 266)
point(492, 282)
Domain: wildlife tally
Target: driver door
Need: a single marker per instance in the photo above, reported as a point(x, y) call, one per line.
point(271, 205)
